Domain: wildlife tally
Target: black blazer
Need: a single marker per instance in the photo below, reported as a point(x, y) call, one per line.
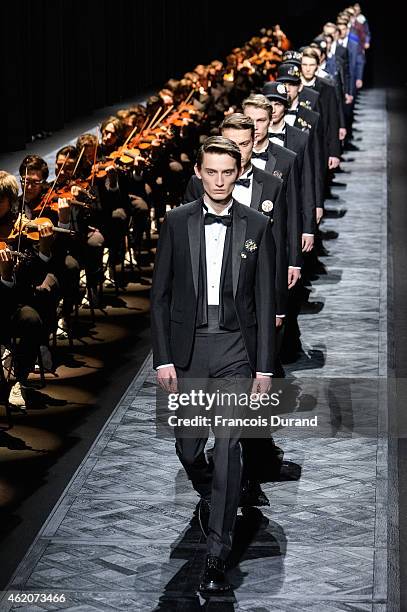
point(309, 98)
point(300, 142)
point(266, 188)
point(328, 107)
point(310, 121)
point(283, 163)
point(175, 285)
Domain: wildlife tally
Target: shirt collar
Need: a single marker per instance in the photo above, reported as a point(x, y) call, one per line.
point(309, 83)
point(264, 148)
point(280, 131)
point(225, 211)
point(248, 173)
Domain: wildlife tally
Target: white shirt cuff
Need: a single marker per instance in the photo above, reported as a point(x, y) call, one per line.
point(265, 373)
point(64, 225)
point(305, 234)
point(280, 316)
point(45, 258)
point(9, 284)
point(109, 187)
point(295, 267)
point(165, 365)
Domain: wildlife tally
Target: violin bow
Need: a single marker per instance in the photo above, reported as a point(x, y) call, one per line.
point(20, 228)
point(153, 119)
point(169, 109)
point(78, 161)
point(51, 189)
point(94, 160)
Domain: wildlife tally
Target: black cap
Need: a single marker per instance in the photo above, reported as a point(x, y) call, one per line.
point(292, 56)
point(275, 91)
point(289, 73)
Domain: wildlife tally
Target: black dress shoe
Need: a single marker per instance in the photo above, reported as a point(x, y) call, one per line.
point(253, 495)
point(213, 579)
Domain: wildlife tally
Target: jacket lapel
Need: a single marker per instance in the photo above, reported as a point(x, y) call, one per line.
point(257, 189)
point(194, 237)
point(238, 237)
point(271, 162)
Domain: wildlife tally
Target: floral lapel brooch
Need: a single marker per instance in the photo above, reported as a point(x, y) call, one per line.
point(250, 246)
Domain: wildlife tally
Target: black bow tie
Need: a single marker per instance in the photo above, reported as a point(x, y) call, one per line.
point(279, 135)
point(211, 218)
point(264, 155)
point(245, 182)
point(292, 111)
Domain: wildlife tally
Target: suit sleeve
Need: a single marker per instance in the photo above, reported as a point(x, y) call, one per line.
point(294, 222)
point(161, 297)
point(308, 190)
point(334, 147)
point(265, 302)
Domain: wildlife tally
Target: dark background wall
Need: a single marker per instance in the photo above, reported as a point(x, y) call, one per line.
point(61, 59)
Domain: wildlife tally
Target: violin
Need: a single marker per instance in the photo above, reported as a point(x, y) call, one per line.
point(50, 199)
point(16, 255)
point(31, 228)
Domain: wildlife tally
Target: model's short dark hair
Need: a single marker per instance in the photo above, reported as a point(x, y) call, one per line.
point(34, 163)
point(237, 121)
point(222, 146)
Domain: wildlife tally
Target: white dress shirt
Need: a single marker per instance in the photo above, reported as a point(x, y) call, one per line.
point(214, 241)
point(260, 163)
point(310, 83)
point(343, 41)
point(276, 140)
point(244, 194)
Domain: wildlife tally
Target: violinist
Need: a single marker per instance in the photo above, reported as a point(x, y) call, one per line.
point(28, 294)
point(33, 177)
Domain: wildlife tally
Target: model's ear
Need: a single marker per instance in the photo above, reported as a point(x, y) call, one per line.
point(197, 172)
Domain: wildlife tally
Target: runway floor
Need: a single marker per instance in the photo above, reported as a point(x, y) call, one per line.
point(123, 535)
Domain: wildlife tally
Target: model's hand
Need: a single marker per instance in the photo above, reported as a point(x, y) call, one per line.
point(307, 243)
point(293, 275)
point(359, 83)
point(333, 162)
point(167, 379)
point(342, 133)
point(348, 99)
point(261, 384)
point(279, 321)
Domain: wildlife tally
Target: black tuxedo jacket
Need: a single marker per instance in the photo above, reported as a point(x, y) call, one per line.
point(266, 188)
point(328, 107)
point(299, 142)
point(174, 290)
point(342, 57)
point(309, 98)
point(283, 163)
point(310, 121)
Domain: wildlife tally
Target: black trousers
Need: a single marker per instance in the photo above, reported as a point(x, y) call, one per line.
point(215, 356)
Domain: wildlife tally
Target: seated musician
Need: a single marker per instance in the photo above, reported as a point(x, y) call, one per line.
point(28, 292)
